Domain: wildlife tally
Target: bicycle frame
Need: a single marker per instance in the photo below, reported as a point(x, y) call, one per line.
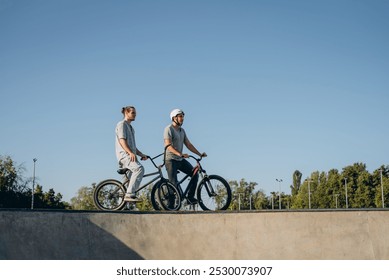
point(158, 173)
point(202, 173)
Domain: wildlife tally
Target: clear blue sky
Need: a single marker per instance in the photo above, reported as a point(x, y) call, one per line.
point(268, 86)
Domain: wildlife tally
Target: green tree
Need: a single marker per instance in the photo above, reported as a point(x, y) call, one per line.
point(260, 200)
point(320, 195)
point(14, 191)
point(273, 200)
point(145, 204)
point(48, 200)
point(359, 186)
point(242, 193)
point(84, 199)
point(296, 182)
point(11, 176)
point(335, 190)
point(328, 190)
point(322, 188)
point(300, 200)
point(376, 181)
point(364, 196)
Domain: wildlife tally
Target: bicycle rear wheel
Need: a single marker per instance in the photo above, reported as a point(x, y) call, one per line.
point(214, 193)
point(109, 195)
point(165, 196)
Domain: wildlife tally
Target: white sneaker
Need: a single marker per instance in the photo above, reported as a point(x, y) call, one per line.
point(131, 198)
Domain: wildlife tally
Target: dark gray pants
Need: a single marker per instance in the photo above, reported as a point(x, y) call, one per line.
point(184, 166)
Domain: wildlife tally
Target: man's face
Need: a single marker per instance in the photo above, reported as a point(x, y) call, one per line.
point(131, 115)
point(180, 119)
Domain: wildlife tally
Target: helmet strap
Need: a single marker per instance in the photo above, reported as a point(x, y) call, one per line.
point(179, 125)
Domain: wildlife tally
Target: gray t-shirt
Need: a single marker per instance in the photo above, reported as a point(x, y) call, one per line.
point(124, 131)
point(177, 138)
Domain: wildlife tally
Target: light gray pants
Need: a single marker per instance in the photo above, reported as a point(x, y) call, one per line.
point(135, 175)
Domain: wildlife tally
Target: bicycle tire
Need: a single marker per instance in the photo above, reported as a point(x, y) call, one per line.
point(109, 195)
point(221, 198)
point(165, 196)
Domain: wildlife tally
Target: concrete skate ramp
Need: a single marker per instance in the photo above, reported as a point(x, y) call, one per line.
point(279, 235)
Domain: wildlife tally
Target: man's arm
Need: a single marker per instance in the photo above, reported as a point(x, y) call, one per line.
point(142, 155)
point(127, 149)
point(171, 148)
point(193, 149)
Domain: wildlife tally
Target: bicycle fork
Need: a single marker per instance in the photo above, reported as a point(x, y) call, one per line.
point(208, 185)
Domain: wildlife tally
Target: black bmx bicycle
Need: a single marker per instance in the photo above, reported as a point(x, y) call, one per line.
point(213, 191)
point(109, 194)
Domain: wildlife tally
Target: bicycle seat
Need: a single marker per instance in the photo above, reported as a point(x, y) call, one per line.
point(122, 171)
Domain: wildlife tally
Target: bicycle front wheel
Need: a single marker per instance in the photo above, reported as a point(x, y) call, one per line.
point(109, 195)
point(165, 196)
point(214, 193)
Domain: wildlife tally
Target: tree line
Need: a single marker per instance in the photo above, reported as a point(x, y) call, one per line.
point(353, 187)
point(16, 193)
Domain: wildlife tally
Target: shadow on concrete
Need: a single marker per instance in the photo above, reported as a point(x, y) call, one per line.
point(44, 235)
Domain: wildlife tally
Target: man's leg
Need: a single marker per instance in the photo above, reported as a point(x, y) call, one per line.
point(171, 169)
point(136, 175)
point(187, 168)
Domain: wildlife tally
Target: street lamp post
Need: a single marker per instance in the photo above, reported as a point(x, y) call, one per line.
point(309, 192)
point(382, 191)
point(239, 200)
point(33, 185)
point(279, 198)
point(336, 200)
point(345, 187)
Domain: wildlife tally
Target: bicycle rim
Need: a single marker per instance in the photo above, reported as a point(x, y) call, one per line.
point(109, 195)
point(214, 193)
point(169, 197)
point(154, 197)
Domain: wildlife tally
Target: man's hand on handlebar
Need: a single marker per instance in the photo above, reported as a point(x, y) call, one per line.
point(187, 156)
point(144, 157)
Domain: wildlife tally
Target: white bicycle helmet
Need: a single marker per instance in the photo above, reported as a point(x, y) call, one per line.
point(176, 112)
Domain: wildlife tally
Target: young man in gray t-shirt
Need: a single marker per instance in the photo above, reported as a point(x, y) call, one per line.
point(175, 136)
point(126, 152)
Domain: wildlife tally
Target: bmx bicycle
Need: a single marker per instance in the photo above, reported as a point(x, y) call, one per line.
point(213, 191)
point(109, 194)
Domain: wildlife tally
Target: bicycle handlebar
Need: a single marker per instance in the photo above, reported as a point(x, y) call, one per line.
point(164, 157)
point(196, 159)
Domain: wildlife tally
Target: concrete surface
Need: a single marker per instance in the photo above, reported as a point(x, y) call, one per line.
point(279, 235)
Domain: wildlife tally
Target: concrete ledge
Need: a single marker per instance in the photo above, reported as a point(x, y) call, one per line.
point(280, 235)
